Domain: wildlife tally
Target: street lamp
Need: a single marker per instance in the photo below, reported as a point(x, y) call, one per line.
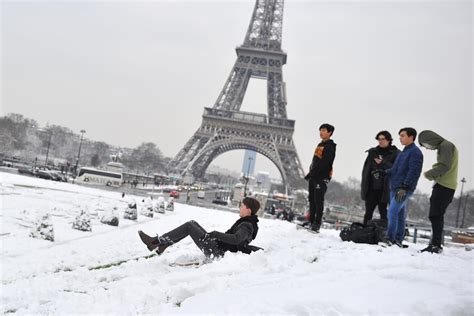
point(50, 133)
point(463, 180)
point(247, 178)
point(464, 210)
point(79, 152)
point(49, 144)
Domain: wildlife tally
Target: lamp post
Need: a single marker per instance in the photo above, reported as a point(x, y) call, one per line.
point(50, 133)
point(463, 180)
point(49, 144)
point(146, 178)
point(79, 152)
point(247, 177)
point(464, 210)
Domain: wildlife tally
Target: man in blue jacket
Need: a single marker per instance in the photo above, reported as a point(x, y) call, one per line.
point(403, 177)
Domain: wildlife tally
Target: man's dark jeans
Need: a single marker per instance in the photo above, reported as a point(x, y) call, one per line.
point(440, 199)
point(317, 190)
point(208, 246)
point(374, 199)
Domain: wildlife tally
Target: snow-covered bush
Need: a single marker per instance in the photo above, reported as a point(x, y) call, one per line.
point(82, 222)
point(43, 228)
point(170, 205)
point(147, 211)
point(131, 211)
point(161, 206)
point(110, 218)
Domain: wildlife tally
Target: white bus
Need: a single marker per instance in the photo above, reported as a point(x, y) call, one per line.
point(96, 176)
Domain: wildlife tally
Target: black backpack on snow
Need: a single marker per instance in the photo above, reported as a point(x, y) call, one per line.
point(380, 228)
point(372, 233)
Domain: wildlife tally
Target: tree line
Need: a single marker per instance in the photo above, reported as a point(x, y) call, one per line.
point(23, 138)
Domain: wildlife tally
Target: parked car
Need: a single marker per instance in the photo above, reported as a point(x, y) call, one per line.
point(62, 176)
point(26, 170)
point(43, 174)
point(219, 201)
point(55, 176)
point(174, 194)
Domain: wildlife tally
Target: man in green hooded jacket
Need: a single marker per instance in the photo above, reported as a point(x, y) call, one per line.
point(445, 174)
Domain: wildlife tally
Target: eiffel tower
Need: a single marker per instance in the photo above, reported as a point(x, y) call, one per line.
point(224, 127)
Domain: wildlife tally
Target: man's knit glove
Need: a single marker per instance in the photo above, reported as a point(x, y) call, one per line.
point(400, 195)
point(208, 237)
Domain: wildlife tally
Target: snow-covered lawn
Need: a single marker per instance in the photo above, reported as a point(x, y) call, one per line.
point(298, 273)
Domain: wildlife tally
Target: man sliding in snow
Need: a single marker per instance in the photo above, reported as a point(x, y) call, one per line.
point(213, 244)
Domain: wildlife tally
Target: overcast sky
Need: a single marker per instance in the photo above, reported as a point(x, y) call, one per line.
point(130, 72)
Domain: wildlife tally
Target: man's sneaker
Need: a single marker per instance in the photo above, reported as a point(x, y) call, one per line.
point(152, 243)
point(432, 249)
point(387, 241)
point(399, 244)
point(315, 228)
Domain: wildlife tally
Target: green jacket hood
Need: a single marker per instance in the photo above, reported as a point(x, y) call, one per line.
point(430, 138)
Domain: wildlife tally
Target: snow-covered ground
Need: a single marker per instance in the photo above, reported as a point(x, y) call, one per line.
point(298, 273)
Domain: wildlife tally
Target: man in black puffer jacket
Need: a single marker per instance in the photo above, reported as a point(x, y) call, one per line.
point(213, 244)
point(375, 187)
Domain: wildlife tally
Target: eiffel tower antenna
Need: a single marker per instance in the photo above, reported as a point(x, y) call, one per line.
point(225, 127)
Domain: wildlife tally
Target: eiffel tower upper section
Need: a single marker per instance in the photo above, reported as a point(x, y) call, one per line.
point(260, 56)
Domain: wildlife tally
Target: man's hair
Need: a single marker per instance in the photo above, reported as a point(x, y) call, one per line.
point(328, 127)
point(252, 204)
point(410, 132)
point(386, 134)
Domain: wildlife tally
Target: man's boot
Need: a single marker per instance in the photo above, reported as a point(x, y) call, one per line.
point(159, 244)
point(432, 249)
point(315, 227)
point(150, 242)
point(387, 241)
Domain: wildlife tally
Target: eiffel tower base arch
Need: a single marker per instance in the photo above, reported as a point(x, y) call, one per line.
point(219, 134)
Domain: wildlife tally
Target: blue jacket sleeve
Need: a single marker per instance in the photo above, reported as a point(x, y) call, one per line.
point(415, 164)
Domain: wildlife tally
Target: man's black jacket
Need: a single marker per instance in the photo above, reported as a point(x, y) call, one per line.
point(389, 155)
point(323, 158)
point(238, 237)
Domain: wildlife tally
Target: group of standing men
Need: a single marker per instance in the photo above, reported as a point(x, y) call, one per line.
point(389, 179)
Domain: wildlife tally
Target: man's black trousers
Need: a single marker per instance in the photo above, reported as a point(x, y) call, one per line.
point(317, 190)
point(440, 198)
point(374, 199)
point(208, 246)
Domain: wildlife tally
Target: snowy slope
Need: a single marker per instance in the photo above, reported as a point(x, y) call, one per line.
point(298, 273)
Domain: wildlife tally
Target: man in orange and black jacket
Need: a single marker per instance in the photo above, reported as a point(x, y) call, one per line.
point(320, 173)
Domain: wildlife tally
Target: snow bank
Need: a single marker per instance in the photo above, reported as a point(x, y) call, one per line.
point(298, 273)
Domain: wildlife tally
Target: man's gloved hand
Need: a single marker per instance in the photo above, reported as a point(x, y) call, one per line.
point(379, 173)
point(213, 234)
point(400, 195)
point(208, 237)
point(376, 174)
point(308, 176)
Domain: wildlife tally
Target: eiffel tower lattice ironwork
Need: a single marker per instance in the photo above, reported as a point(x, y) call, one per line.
point(224, 127)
